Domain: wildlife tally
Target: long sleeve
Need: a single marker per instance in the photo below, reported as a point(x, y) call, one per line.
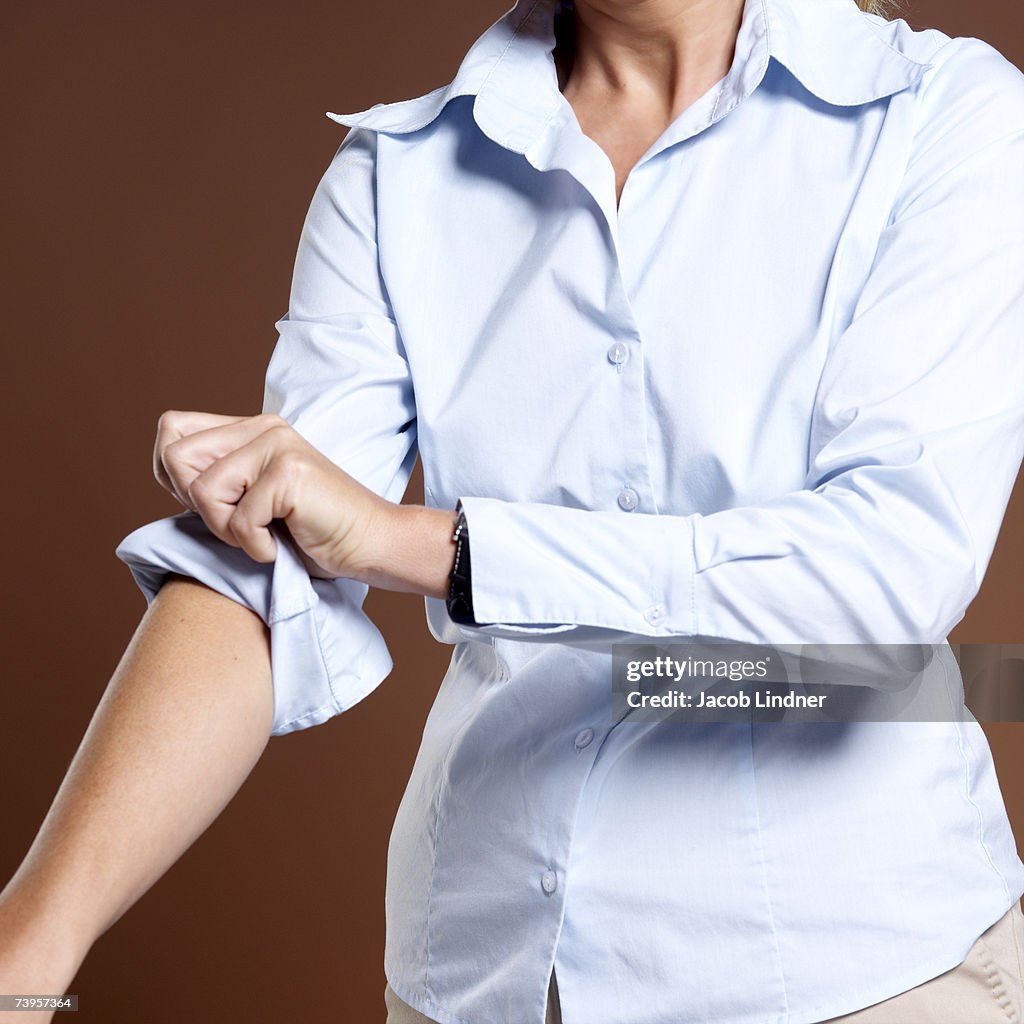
point(339, 375)
point(916, 439)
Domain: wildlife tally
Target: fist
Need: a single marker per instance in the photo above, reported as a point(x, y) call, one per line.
point(241, 472)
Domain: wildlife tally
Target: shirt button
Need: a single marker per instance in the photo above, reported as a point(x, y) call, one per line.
point(618, 353)
point(583, 737)
point(628, 499)
point(654, 614)
point(549, 881)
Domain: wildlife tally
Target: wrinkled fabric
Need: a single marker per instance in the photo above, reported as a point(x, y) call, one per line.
point(776, 396)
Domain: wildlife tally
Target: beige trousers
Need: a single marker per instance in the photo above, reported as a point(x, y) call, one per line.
point(987, 988)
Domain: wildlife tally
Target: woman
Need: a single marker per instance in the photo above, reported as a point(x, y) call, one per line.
point(705, 320)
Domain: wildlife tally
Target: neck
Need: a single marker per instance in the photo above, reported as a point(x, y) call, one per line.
point(661, 52)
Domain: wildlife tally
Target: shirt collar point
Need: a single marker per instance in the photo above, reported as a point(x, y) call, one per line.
point(400, 116)
point(840, 53)
point(486, 53)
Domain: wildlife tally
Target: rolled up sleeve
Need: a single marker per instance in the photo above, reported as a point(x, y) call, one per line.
point(916, 439)
point(339, 375)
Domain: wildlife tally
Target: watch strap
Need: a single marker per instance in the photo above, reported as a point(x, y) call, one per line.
point(460, 583)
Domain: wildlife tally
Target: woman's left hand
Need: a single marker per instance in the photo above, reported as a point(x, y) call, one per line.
point(239, 473)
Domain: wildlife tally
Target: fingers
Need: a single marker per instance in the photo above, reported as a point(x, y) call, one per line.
point(240, 493)
point(189, 442)
point(249, 521)
point(172, 426)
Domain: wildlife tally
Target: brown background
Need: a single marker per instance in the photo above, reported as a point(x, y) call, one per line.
point(159, 161)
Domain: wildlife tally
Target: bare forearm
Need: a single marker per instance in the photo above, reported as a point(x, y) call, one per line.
point(183, 721)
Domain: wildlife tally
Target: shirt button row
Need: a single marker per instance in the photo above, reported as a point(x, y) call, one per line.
point(618, 353)
point(549, 881)
point(583, 737)
point(628, 499)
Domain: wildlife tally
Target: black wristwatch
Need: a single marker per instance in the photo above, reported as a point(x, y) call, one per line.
point(460, 583)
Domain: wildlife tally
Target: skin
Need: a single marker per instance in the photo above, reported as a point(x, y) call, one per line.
point(188, 710)
point(639, 64)
point(239, 473)
point(184, 719)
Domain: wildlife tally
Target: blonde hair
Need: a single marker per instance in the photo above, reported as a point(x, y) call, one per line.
point(885, 8)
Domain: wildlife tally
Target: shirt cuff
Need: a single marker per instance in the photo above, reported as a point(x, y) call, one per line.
point(326, 654)
point(549, 570)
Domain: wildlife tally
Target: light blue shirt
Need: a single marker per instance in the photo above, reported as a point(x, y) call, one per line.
point(776, 396)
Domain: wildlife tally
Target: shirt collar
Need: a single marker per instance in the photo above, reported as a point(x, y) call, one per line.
point(835, 50)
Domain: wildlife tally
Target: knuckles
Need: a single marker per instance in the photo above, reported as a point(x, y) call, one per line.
point(199, 489)
point(291, 460)
point(173, 453)
point(290, 468)
point(168, 420)
point(281, 435)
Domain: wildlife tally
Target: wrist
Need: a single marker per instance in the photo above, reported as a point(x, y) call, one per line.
point(39, 951)
point(411, 550)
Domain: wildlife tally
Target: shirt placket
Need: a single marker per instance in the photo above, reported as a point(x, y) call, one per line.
point(563, 145)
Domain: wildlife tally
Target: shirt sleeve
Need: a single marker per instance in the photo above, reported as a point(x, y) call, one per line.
point(916, 439)
point(338, 374)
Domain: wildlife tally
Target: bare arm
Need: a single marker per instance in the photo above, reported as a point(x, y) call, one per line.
point(183, 721)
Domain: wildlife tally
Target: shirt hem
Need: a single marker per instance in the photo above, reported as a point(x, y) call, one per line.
point(422, 1004)
point(889, 990)
point(878, 993)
